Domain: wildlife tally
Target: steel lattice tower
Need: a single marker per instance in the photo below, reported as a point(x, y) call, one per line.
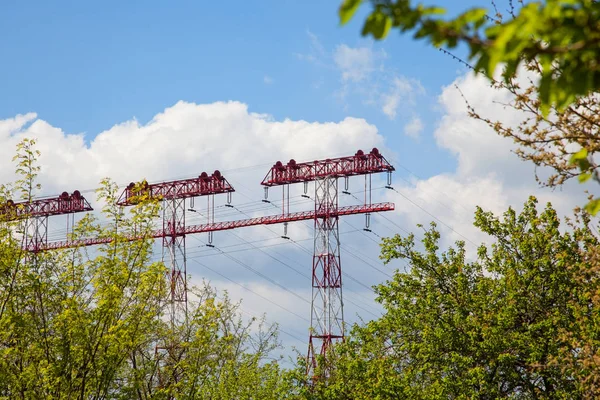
point(327, 307)
point(327, 315)
point(34, 215)
point(173, 195)
point(174, 255)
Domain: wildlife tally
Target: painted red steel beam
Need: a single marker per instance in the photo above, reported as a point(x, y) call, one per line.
point(184, 188)
point(64, 204)
point(226, 225)
point(358, 164)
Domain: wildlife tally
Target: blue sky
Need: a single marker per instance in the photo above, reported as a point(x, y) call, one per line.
point(85, 66)
point(195, 74)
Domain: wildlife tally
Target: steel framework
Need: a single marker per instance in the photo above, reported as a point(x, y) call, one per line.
point(327, 316)
point(327, 306)
point(227, 225)
point(173, 195)
point(34, 215)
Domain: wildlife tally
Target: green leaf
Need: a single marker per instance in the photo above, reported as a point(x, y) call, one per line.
point(593, 206)
point(347, 10)
point(584, 177)
point(580, 155)
point(377, 24)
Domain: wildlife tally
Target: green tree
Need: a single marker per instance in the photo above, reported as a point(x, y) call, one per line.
point(500, 326)
point(556, 41)
point(561, 35)
point(83, 323)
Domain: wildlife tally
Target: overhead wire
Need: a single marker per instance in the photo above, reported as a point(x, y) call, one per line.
point(255, 293)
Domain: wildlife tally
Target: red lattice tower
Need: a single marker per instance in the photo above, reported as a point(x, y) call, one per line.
point(173, 195)
point(327, 321)
point(34, 215)
point(327, 309)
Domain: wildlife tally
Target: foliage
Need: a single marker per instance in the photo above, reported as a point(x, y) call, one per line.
point(563, 36)
point(500, 326)
point(567, 141)
point(84, 323)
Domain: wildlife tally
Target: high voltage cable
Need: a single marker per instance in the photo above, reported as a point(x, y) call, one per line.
point(252, 291)
point(433, 216)
point(397, 163)
point(309, 252)
point(306, 276)
point(257, 318)
point(271, 280)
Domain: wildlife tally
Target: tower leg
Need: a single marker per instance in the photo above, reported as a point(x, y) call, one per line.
point(174, 255)
point(327, 309)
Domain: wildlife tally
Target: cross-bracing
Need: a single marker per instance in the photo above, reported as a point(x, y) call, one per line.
point(327, 316)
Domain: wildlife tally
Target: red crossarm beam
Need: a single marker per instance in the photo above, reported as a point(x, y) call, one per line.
point(64, 204)
point(184, 188)
point(222, 226)
point(358, 164)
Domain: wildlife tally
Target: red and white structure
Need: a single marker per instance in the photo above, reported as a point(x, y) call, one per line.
point(173, 195)
point(35, 214)
point(327, 315)
point(327, 306)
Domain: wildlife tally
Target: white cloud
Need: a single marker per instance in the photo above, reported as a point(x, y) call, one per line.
point(414, 127)
point(487, 174)
point(355, 64)
point(363, 73)
point(402, 90)
point(185, 138)
point(268, 80)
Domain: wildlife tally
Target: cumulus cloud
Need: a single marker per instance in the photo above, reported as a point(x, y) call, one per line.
point(184, 140)
point(487, 174)
point(414, 127)
point(355, 63)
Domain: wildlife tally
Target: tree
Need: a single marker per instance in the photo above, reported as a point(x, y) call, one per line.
point(85, 324)
point(556, 43)
point(500, 326)
point(561, 35)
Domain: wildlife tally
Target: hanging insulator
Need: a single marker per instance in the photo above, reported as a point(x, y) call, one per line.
point(305, 195)
point(367, 222)
point(285, 231)
point(389, 181)
point(192, 202)
point(346, 185)
point(210, 239)
point(265, 200)
point(228, 204)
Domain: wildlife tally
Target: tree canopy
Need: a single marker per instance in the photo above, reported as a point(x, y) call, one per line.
point(88, 324)
point(519, 321)
point(547, 51)
point(562, 35)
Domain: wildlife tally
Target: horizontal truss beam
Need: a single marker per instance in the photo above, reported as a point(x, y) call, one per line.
point(226, 225)
point(180, 189)
point(358, 164)
point(64, 204)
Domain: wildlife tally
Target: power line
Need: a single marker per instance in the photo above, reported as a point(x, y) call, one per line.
point(252, 291)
